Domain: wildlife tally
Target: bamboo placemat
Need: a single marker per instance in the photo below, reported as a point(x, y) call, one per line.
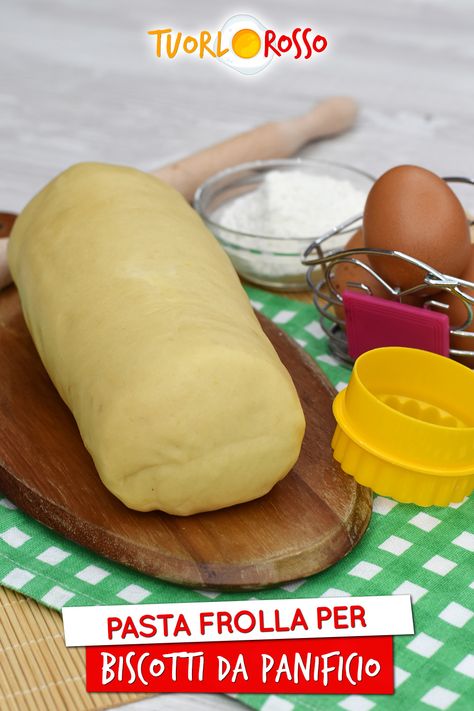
point(37, 671)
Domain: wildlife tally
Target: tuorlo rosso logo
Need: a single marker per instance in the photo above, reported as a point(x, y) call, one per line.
point(242, 43)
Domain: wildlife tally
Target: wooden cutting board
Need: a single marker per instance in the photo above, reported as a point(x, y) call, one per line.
point(310, 520)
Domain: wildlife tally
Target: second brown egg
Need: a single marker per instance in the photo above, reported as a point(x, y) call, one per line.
point(346, 274)
point(458, 313)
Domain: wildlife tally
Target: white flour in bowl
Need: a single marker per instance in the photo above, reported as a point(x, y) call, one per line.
point(279, 218)
point(292, 204)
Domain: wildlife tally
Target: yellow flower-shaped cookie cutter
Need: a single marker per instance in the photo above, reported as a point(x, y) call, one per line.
point(405, 426)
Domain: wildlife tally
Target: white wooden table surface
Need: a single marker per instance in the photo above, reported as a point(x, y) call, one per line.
point(79, 81)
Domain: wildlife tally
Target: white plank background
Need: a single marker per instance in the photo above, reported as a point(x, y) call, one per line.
point(79, 81)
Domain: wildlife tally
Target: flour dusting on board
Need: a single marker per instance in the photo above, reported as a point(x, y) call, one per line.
point(293, 204)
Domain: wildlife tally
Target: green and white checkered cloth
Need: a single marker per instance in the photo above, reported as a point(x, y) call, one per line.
point(424, 552)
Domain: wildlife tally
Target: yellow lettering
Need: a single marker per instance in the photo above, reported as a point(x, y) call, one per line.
point(205, 38)
point(172, 50)
point(159, 34)
point(220, 51)
point(172, 44)
point(190, 44)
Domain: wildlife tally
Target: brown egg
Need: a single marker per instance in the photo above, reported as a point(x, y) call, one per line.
point(412, 210)
point(458, 313)
point(345, 272)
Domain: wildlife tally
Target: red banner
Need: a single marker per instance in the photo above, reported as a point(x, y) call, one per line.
point(361, 665)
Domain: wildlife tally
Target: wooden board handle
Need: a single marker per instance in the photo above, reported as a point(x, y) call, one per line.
point(5, 277)
point(6, 223)
point(271, 140)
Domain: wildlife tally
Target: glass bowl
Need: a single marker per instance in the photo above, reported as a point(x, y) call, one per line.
point(270, 261)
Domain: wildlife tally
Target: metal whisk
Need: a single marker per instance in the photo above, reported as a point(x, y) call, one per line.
point(321, 258)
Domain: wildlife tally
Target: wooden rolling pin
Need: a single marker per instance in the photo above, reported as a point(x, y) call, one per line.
point(279, 139)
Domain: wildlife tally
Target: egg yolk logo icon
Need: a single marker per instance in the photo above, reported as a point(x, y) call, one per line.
point(242, 43)
point(246, 43)
point(244, 35)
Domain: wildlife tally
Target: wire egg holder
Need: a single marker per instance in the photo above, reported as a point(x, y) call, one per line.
point(322, 259)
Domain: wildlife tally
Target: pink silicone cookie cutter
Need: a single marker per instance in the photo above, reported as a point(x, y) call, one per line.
point(372, 322)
